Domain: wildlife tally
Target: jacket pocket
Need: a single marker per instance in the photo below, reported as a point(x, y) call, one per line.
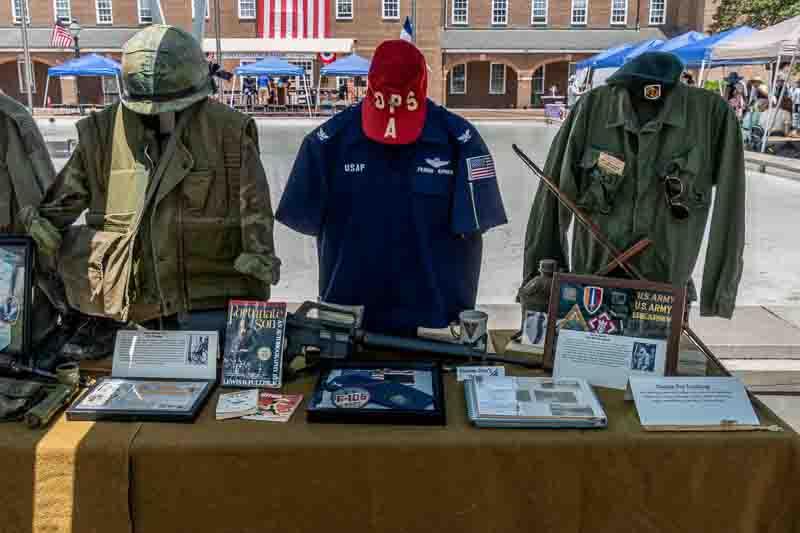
point(196, 187)
point(695, 186)
point(597, 190)
point(96, 268)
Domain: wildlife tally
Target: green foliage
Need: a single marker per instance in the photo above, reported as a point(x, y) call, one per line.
point(712, 85)
point(756, 13)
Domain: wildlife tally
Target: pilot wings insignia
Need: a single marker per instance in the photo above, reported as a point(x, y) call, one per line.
point(437, 163)
point(465, 137)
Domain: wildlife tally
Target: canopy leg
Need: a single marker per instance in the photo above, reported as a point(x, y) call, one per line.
point(46, 87)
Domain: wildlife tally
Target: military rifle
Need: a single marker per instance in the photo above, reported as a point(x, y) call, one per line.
point(10, 365)
point(619, 258)
point(336, 339)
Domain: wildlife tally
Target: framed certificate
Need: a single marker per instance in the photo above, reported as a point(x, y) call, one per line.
point(606, 329)
point(16, 281)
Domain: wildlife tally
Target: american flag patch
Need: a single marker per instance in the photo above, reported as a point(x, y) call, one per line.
point(481, 167)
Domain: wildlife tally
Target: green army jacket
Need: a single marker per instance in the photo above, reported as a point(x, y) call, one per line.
point(26, 170)
point(696, 137)
point(171, 232)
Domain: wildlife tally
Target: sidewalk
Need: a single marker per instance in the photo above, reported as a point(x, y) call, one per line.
point(779, 166)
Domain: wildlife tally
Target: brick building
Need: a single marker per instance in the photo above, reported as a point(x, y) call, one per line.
point(482, 53)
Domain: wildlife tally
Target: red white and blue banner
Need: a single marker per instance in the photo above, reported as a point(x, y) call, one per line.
point(293, 19)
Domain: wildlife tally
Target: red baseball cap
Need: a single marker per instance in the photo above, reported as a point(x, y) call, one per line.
point(397, 85)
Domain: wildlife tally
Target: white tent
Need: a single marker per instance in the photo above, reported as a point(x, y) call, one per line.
point(778, 40)
point(781, 42)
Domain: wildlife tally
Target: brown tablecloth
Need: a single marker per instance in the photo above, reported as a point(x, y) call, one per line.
point(240, 476)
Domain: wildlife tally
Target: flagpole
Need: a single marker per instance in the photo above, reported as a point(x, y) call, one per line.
point(27, 53)
point(414, 21)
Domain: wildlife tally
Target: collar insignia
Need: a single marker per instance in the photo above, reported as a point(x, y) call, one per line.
point(465, 137)
point(322, 135)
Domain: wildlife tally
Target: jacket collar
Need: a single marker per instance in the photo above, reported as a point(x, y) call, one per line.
point(673, 113)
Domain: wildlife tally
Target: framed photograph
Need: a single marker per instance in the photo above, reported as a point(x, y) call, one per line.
point(142, 400)
point(613, 326)
point(379, 393)
point(16, 282)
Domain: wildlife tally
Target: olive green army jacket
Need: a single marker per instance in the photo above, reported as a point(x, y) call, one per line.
point(696, 138)
point(171, 227)
point(26, 170)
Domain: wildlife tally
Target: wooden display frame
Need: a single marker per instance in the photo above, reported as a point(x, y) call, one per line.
point(676, 315)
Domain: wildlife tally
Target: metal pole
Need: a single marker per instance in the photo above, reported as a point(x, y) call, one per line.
point(78, 78)
point(414, 28)
point(774, 112)
point(217, 31)
point(27, 54)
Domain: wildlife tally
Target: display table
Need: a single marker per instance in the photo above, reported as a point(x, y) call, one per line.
point(240, 476)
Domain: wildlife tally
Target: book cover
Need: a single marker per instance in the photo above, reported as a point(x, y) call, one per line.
point(237, 404)
point(254, 344)
point(276, 407)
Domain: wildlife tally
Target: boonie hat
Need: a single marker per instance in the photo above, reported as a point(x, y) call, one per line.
point(163, 69)
point(396, 103)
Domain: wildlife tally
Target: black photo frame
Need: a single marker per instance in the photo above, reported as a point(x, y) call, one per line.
point(16, 296)
point(374, 393)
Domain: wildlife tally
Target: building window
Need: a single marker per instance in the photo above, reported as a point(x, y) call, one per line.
point(539, 12)
point(458, 79)
point(247, 9)
point(391, 9)
point(192, 2)
point(145, 14)
point(658, 11)
point(23, 89)
point(580, 11)
point(499, 11)
point(619, 11)
point(16, 6)
point(460, 11)
point(62, 11)
point(344, 9)
point(497, 78)
point(538, 80)
point(104, 12)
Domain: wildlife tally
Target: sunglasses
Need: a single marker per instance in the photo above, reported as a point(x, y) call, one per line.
point(673, 189)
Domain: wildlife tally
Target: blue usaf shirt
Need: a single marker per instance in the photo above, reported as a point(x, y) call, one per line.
point(398, 227)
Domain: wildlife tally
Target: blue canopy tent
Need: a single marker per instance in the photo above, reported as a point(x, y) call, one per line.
point(684, 39)
point(273, 66)
point(619, 58)
point(350, 66)
point(695, 54)
point(88, 65)
point(595, 60)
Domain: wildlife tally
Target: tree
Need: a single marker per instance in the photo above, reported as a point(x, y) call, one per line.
point(756, 13)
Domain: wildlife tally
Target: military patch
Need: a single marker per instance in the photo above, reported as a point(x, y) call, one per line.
point(618, 298)
point(592, 299)
point(652, 92)
point(465, 137)
point(322, 135)
point(351, 398)
point(569, 294)
point(480, 168)
point(603, 323)
point(610, 164)
point(574, 320)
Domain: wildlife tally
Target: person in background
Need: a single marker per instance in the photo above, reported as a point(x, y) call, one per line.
point(782, 122)
point(263, 90)
point(755, 89)
point(688, 79)
point(736, 94)
point(795, 97)
point(752, 119)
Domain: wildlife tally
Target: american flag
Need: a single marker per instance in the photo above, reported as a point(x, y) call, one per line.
point(481, 167)
point(61, 37)
point(293, 19)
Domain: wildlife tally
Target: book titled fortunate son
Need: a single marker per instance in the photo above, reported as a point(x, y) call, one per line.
point(254, 344)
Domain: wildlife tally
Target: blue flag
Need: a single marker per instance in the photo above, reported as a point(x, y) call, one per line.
point(407, 33)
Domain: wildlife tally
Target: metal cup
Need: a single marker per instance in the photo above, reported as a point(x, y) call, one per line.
point(473, 329)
